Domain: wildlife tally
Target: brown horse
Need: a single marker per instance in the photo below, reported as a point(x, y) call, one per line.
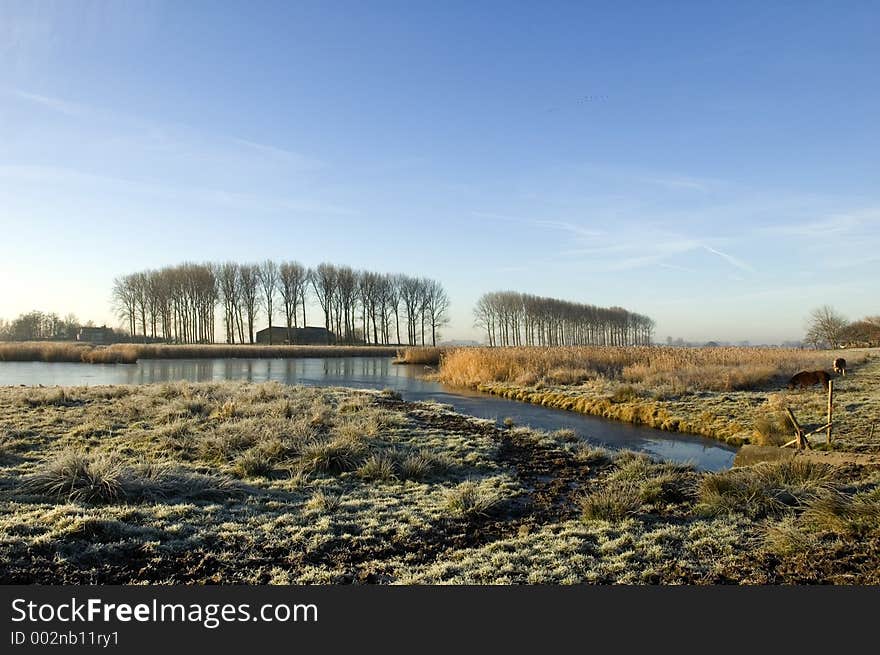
point(840, 366)
point(809, 378)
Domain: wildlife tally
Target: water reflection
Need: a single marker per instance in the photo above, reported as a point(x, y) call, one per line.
point(375, 373)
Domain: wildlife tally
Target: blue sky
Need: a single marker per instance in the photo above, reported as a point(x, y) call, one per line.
point(711, 164)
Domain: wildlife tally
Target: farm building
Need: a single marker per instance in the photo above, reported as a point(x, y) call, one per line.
point(311, 336)
point(97, 335)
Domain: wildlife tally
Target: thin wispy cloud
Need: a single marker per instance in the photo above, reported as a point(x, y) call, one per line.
point(571, 228)
point(830, 226)
point(288, 156)
point(676, 267)
point(65, 107)
point(730, 259)
point(92, 184)
point(180, 139)
point(565, 226)
point(680, 182)
point(633, 176)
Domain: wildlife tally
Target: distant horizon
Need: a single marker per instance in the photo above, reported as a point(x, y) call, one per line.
point(680, 161)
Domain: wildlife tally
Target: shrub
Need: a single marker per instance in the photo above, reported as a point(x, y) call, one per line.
point(772, 430)
point(152, 482)
point(78, 476)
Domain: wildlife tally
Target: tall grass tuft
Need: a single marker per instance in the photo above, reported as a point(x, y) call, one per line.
point(377, 467)
point(853, 516)
point(471, 500)
point(78, 476)
point(422, 464)
point(324, 502)
point(336, 456)
point(612, 503)
point(74, 475)
point(255, 462)
point(765, 489)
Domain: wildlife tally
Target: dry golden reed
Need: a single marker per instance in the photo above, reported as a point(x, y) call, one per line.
point(713, 369)
point(420, 355)
point(129, 353)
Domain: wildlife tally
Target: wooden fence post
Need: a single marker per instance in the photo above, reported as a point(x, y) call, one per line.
point(830, 400)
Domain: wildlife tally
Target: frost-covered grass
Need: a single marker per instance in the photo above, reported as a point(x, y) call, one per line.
point(265, 483)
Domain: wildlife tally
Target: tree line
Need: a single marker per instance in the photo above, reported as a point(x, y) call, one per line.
point(826, 328)
point(178, 303)
point(37, 326)
point(518, 319)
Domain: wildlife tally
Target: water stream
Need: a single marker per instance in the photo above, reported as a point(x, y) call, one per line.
point(376, 373)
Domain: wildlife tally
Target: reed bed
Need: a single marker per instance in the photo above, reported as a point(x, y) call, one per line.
point(129, 353)
point(711, 369)
point(430, 356)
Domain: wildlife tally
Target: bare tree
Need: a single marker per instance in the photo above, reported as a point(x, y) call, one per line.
point(324, 283)
point(437, 304)
point(825, 327)
point(250, 284)
point(346, 296)
point(125, 301)
point(267, 273)
point(393, 285)
point(227, 275)
point(292, 278)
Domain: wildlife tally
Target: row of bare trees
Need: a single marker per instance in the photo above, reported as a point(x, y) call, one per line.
point(368, 307)
point(178, 303)
point(175, 303)
point(516, 319)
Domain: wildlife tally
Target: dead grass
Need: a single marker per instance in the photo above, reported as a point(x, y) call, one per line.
point(379, 467)
point(129, 353)
point(712, 369)
point(73, 475)
point(264, 483)
point(470, 499)
point(696, 391)
point(323, 502)
point(336, 456)
point(420, 355)
point(613, 503)
point(765, 489)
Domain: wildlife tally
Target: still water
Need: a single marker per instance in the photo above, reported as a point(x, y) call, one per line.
point(376, 373)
